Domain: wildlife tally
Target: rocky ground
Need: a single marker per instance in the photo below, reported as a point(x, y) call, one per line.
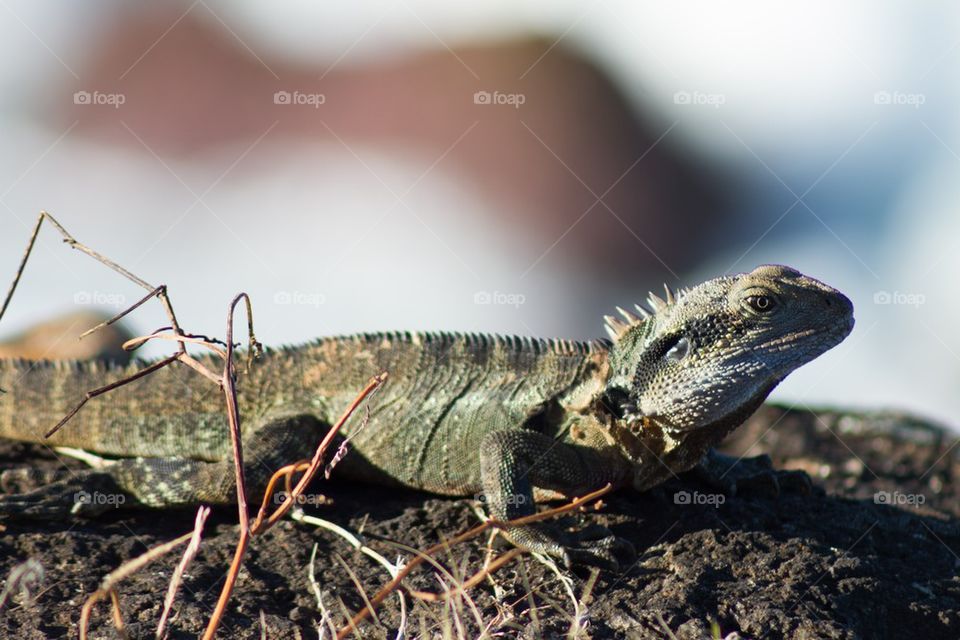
point(874, 552)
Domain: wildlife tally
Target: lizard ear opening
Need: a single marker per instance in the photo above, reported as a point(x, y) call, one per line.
point(617, 401)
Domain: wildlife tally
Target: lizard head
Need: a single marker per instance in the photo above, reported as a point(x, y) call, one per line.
point(714, 352)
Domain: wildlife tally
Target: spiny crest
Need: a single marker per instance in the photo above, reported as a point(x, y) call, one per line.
point(616, 327)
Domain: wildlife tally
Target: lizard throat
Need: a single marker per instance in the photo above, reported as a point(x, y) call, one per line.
point(641, 438)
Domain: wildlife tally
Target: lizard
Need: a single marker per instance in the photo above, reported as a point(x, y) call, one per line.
point(513, 421)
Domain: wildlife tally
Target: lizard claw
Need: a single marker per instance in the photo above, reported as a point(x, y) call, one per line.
point(591, 558)
point(596, 546)
point(593, 545)
point(610, 552)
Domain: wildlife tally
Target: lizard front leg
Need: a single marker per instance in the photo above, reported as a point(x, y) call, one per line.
point(514, 463)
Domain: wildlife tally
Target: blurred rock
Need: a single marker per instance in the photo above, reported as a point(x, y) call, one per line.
point(57, 339)
point(546, 161)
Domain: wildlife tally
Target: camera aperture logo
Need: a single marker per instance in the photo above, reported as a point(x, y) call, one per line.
point(699, 98)
point(99, 98)
point(308, 298)
point(312, 499)
point(695, 497)
point(499, 298)
point(100, 298)
point(899, 98)
point(898, 498)
point(109, 499)
point(901, 298)
point(299, 98)
point(499, 98)
point(510, 499)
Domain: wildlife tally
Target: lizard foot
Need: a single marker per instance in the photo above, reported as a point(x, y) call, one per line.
point(596, 546)
point(84, 493)
point(753, 476)
point(593, 545)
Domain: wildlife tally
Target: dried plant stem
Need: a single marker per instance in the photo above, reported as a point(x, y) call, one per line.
point(226, 381)
point(110, 581)
point(188, 554)
point(374, 383)
point(398, 580)
point(260, 525)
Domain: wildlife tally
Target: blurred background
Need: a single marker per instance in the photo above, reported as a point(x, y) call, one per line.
point(517, 168)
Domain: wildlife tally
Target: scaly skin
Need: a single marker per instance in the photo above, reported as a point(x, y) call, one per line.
point(510, 420)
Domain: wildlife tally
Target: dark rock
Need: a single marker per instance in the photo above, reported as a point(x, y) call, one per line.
point(874, 554)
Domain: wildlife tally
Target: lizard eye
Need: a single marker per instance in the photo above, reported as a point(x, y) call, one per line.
point(761, 303)
point(679, 350)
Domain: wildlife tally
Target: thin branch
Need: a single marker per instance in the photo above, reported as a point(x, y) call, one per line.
point(136, 343)
point(89, 395)
point(471, 582)
point(188, 554)
point(119, 574)
point(156, 292)
point(375, 383)
point(359, 587)
point(443, 575)
point(20, 267)
point(117, 614)
point(159, 292)
point(356, 543)
point(195, 364)
point(260, 526)
point(26, 577)
point(74, 244)
point(228, 380)
point(398, 580)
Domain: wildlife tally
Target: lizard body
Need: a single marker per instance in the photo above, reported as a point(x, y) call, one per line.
point(507, 419)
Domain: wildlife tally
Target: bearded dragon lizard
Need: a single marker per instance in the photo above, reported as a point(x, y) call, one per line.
point(513, 420)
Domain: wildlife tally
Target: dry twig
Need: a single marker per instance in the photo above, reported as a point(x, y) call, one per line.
point(397, 582)
point(226, 381)
point(24, 578)
point(188, 554)
point(110, 581)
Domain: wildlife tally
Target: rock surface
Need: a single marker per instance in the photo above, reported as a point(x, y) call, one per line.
point(873, 552)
